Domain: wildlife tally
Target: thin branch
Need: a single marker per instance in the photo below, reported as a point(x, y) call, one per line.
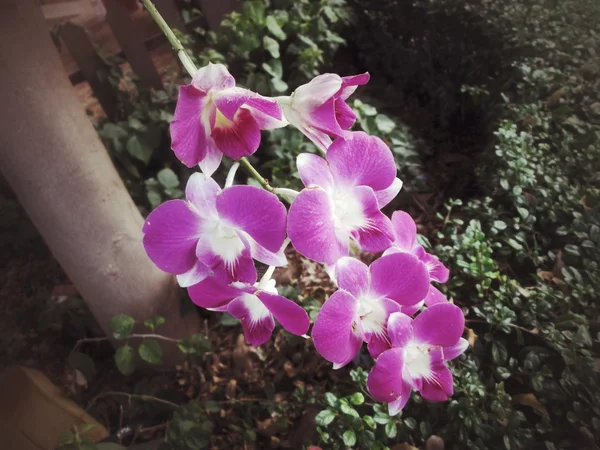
point(147, 398)
point(511, 325)
point(136, 335)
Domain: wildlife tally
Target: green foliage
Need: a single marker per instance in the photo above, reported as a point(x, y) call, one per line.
point(125, 359)
point(189, 429)
point(150, 351)
point(121, 326)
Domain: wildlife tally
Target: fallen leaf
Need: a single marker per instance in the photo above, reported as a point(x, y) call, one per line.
point(531, 401)
point(231, 388)
point(545, 275)
point(471, 337)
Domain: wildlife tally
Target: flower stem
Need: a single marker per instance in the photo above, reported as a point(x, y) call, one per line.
point(250, 168)
point(191, 69)
point(175, 43)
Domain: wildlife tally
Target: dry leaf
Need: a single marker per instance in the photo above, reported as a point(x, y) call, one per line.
point(471, 337)
point(231, 388)
point(531, 401)
point(545, 275)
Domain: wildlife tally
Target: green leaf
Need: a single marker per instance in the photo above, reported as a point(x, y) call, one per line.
point(274, 28)
point(523, 212)
point(279, 85)
point(271, 46)
point(151, 351)
point(391, 429)
point(168, 178)
point(109, 446)
point(273, 68)
point(384, 123)
point(154, 322)
point(197, 344)
point(325, 417)
point(139, 149)
point(125, 360)
point(410, 423)
point(357, 398)
point(381, 418)
point(349, 438)
point(499, 225)
point(121, 326)
point(370, 422)
point(83, 363)
point(331, 399)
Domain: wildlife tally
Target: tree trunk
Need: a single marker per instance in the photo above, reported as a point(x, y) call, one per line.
point(54, 160)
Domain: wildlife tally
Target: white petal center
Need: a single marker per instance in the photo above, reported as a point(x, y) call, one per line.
point(224, 241)
point(257, 310)
point(372, 314)
point(417, 360)
point(348, 211)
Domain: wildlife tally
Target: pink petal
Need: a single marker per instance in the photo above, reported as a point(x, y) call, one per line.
point(314, 171)
point(385, 381)
point(213, 292)
point(258, 252)
point(256, 212)
point(229, 101)
point(350, 83)
point(188, 135)
point(317, 137)
point(455, 350)
point(377, 233)
point(362, 160)
point(434, 296)
point(410, 310)
point(258, 326)
point(400, 330)
point(388, 194)
point(239, 139)
point(311, 227)
point(240, 269)
point(171, 232)
point(344, 115)
point(195, 275)
point(212, 160)
point(405, 229)
point(312, 95)
point(437, 271)
point(438, 388)
point(324, 119)
point(398, 405)
point(352, 276)
point(290, 315)
point(377, 343)
point(201, 191)
point(400, 277)
point(266, 106)
point(441, 324)
point(337, 333)
point(213, 77)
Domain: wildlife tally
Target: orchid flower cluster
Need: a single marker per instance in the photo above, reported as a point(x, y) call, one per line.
point(211, 239)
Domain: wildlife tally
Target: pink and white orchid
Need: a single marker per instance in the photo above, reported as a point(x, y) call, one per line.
point(319, 108)
point(342, 199)
point(213, 118)
point(256, 305)
point(358, 312)
point(420, 349)
point(216, 230)
point(405, 232)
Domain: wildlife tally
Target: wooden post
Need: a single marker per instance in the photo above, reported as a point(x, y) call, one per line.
point(61, 173)
point(132, 43)
point(91, 66)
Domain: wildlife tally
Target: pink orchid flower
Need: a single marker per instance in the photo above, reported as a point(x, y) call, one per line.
point(256, 305)
point(417, 359)
point(216, 230)
point(214, 118)
point(405, 231)
point(358, 312)
point(319, 108)
point(342, 199)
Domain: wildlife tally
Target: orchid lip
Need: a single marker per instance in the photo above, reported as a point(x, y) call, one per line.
point(417, 360)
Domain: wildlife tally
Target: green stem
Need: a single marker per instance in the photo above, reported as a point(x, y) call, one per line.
point(250, 168)
point(191, 69)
